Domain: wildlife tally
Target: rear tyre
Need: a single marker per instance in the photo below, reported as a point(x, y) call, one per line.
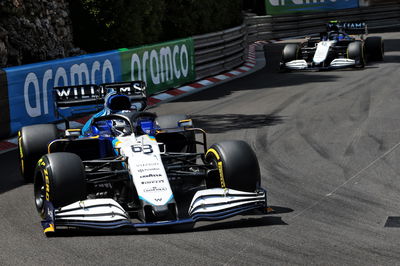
point(237, 166)
point(32, 144)
point(59, 179)
point(374, 48)
point(355, 51)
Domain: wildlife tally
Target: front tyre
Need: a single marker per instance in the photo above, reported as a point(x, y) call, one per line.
point(237, 165)
point(59, 179)
point(290, 52)
point(355, 51)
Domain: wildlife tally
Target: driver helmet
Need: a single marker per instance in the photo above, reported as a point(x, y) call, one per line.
point(115, 102)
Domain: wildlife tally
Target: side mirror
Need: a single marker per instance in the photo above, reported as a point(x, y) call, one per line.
point(185, 123)
point(73, 133)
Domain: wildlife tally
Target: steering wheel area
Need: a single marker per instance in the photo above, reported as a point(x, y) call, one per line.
point(113, 125)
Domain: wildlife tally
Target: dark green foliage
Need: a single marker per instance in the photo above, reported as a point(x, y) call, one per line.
point(255, 6)
point(110, 24)
point(185, 18)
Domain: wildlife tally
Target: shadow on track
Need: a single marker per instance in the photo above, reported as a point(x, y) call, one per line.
point(391, 59)
point(10, 176)
point(228, 122)
point(392, 45)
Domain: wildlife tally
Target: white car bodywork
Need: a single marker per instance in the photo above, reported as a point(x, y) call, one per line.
point(152, 185)
point(321, 54)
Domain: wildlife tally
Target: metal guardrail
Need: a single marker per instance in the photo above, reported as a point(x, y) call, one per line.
point(302, 24)
point(220, 51)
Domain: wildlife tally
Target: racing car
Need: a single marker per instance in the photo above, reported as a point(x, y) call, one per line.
point(130, 168)
point(334, 49)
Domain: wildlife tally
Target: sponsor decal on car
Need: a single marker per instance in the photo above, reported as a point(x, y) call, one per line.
point(146, 164)
point(155, 189)
point(150, 175)
point(148, 169)
point(152, 182)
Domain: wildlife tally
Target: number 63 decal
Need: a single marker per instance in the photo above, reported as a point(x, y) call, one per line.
point(142, 148)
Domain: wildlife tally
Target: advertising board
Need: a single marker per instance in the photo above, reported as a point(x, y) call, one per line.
point(280, 7)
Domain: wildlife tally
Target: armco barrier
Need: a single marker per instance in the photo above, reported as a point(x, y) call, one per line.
point(301, 24)
point(219, 51)
point(26, 91)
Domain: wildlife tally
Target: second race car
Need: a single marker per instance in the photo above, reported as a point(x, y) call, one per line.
point(334, 49)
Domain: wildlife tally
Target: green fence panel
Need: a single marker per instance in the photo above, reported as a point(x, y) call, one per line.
point(161, 66)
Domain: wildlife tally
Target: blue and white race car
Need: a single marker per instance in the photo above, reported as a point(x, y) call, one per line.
point(128, 167)
point(334, 49)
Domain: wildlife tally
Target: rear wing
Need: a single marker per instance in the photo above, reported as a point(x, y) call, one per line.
point(91, 97)
point(70, 96)
point(354, 27)
point(92, 94)
point(134, 88)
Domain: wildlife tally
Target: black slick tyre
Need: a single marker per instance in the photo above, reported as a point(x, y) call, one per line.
point(355, 51)
point(374, 48)
point(237, 166)
point(32, 144)
point(290, 52)
point(59, 179)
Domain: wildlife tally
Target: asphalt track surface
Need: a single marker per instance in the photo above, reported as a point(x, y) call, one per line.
point(328, 144)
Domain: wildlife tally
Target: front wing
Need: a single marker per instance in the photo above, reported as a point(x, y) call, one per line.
point(207, 205)
point(304, 65)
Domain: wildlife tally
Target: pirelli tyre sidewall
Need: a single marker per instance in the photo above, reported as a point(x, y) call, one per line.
point(355, 51)
point(32, 144)
point(237, 166)
point(59, 179)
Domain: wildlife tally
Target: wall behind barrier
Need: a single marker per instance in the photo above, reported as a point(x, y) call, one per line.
point(4, 106)
point(279, 7)
point(26, 95)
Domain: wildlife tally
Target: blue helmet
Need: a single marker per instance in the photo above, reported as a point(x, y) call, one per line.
point(117, 102)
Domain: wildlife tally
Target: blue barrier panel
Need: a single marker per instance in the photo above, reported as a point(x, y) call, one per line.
point(4, 106)
point(30, 86)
